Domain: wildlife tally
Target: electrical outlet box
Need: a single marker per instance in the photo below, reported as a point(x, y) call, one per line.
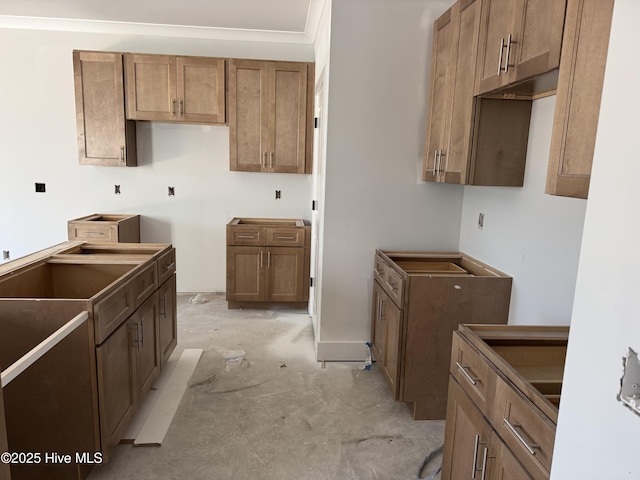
point(480, 221)
point(40, 188)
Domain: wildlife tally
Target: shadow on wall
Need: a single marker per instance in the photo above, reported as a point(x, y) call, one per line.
point(153, 230)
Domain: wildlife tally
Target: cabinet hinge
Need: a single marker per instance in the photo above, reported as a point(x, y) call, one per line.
point(311, 281)
point(315, 122)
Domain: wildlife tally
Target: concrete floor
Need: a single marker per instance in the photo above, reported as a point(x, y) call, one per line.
point(277, 415)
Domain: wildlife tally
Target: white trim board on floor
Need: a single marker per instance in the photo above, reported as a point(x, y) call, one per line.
point(152, 428)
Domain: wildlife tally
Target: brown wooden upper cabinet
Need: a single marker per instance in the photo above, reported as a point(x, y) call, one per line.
point(584, 56)
point(167, 88)
point(269, 106)
point(519, 39)
point(105, 137)
point(470, 141)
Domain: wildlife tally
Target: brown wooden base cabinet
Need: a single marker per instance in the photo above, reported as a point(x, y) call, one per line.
point(419, 298)
point(502, 408)
point(82, 398)
point(267, 262)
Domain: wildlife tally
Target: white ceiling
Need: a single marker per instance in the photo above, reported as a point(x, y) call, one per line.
point(283, 20)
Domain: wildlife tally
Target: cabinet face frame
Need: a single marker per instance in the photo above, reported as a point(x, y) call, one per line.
point(105, 136)
point(168, 314)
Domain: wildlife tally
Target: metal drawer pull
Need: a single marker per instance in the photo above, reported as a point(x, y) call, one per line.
point(529, 447)
point(264, 160)
point(378, 272)
point(170, 266)
point(392, 287)
point(435, 161)
point(122, 153)
point(182, 107)
point(471, 379)
point(500, 58)
point(270, 159)
point(245, 236)
point(269, 259)
point(509, 42)
point(286, 238)
point(173, 108)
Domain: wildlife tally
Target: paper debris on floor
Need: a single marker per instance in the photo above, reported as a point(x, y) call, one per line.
point(167, 393)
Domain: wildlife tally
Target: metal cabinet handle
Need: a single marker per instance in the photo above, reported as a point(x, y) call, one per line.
point(509, 42)
point(173, 106)
point(122, 153)
point(286, 238)
point(269, 259)
point(435, 162)
point(170, 266)
point(484, 463)
point(500, 57)
point(245, 236)
point(440, 164)
point(512, 427)
point(181, 105)
point(392, 287)
point(264, 159)
point(462, 368)
point(270, 159)
point(261, 254)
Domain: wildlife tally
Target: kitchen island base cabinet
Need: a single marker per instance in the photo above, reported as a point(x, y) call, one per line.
point(419, 298)
point(95, 379)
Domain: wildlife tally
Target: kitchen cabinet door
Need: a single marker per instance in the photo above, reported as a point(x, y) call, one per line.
point(439, 99)
point(392, 348)
point(378, 324)
point(147, 344)
point(285, 274)
point(151, 87)
point(584, 56)
point(245, 274)
point(167, 317)
point(117, 385)
point(105, 137)
point(467, 438)
point(200, 89)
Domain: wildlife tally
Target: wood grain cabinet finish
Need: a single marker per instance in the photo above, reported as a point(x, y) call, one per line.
point(269, 116)
point(518, 40)
point(581, 76)
point(267, 262)
point(105, 136)
point(470, 141)
point(167, 88)
point(508, 431)
point(128, 338)
point(411, 331)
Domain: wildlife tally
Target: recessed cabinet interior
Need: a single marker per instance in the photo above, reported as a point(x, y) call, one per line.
point(105, 135)
point(175, 89)
point(582, 66)
point(267, 262)
point(518, 40)
point(419, 298)
point(269, 116)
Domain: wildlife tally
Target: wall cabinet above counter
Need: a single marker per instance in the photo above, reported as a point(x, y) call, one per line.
point(269, 108)
point(490, 60)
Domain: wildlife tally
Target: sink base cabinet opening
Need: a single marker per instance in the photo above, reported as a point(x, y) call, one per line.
point(419, 299)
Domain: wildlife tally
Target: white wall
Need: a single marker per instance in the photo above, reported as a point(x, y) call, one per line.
point(597, 437)
point(527, 234)
point(38, 144)
point(376, 123)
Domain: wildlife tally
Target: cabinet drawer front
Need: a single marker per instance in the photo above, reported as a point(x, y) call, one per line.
point(97, 232)
point(166, 266)
point(379, 269)
point(394, 285)
point(111, 311)
point(245, 235)
point(525, 429)
point(145, 283)
point(285, 237)
point(473, 372)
